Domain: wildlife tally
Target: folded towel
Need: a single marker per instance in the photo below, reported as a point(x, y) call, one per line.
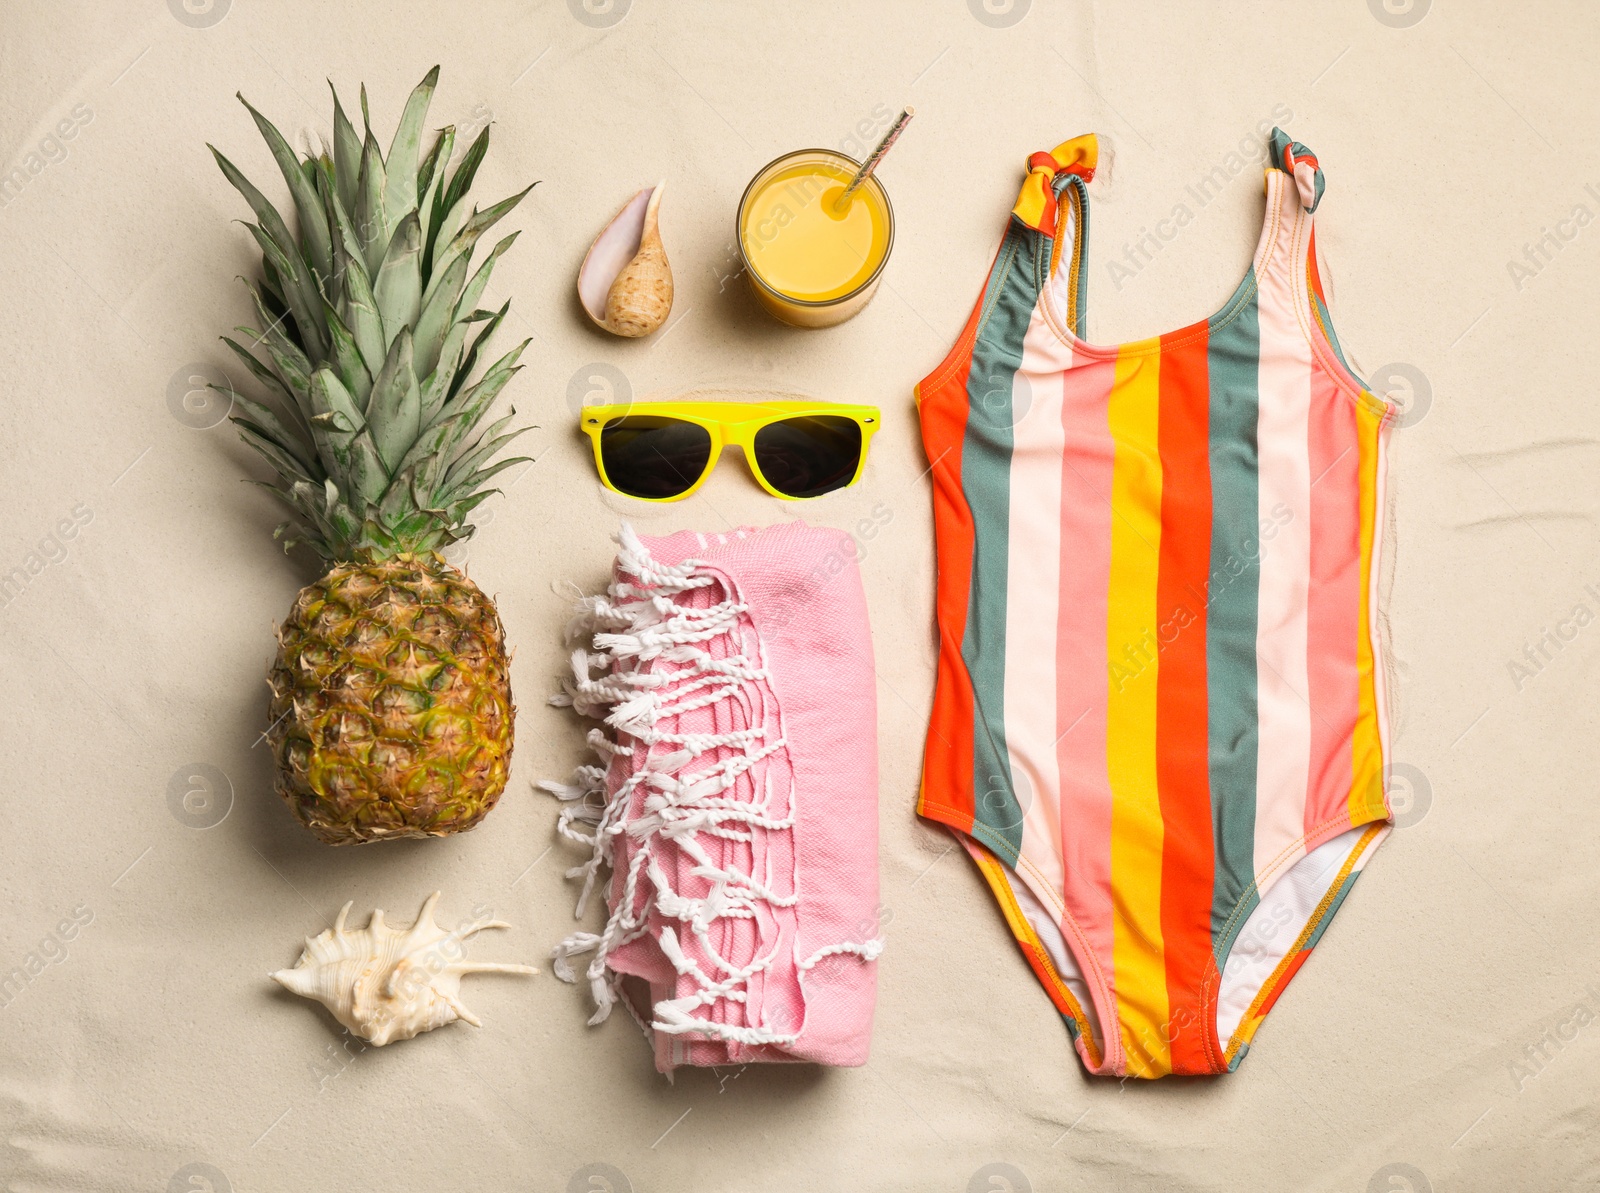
point(735, 800)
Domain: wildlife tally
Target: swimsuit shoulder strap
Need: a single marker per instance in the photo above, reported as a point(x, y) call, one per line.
point(1053, 209)
point(1043, 243)
point(1295, 186)
point(1294, 190)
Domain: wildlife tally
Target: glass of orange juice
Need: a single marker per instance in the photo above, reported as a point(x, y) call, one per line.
point(810, 261)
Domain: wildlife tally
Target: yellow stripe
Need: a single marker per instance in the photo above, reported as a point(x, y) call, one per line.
point(1136, 827)
point(1033, 199)
point(1366, 761)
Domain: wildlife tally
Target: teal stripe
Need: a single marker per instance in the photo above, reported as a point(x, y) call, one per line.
point(1009, 298)
point(1234, 354)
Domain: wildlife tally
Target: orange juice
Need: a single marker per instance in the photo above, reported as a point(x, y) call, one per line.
point(811, 263)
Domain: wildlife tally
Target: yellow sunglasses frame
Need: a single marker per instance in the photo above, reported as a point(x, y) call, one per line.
point(729, 423)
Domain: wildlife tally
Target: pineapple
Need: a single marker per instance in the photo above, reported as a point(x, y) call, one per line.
point(391, 711)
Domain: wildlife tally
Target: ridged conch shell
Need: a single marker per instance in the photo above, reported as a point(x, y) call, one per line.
point(387, 983)
point(625, 283)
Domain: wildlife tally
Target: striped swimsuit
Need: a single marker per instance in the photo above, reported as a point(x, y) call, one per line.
point(1159, 724)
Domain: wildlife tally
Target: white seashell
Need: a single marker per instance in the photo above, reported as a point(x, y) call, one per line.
point(625, 282)
point(387, 983)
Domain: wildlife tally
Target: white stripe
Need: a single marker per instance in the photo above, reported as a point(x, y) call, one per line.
point(1033, 591)
point(1283, 756)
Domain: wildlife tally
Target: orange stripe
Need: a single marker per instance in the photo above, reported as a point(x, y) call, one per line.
point(947, 758)
point(1182, 773)
point(1314, 281)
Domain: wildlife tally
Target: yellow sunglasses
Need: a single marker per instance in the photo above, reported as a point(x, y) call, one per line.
point(663, 451)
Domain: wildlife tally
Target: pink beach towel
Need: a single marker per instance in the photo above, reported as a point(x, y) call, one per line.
point(735, 802)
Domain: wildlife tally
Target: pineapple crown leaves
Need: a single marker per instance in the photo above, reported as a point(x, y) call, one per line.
point(371, 330)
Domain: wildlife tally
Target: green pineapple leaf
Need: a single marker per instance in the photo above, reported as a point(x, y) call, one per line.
point(307, 203)
point(398, 287)
point(272, 290)
point(334, 421)
point(300, 291)
point(438, 315)
point(468, 489)
point(463, 242)
point(426, 168)
point(451, 197)
point(372, 221)
point(346, 153)
point(394, 411)
point(284, 464)
point(471, 296)
point(488, 444)
point(265, 211)
point(367, 475)
point(347, 250)
point(469, 363)
point(360, 313)
point(430, 181)
point(438, 384)
point(265, 420)
point(476, 399)
point(441, 230)
point(261, 373)
point(347, 357)
point(430, 445)
point(461, 180)
point(400, 185)
point(396, 505)
point(287, 357)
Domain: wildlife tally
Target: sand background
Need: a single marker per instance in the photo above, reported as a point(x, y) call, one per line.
point(1413, 1048)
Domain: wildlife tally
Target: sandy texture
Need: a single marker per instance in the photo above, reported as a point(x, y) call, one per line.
point(1446, 1033)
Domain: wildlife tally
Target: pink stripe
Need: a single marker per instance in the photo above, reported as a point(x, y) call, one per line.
point(1081, 674)
point(1333, 621)
point(1284, 750)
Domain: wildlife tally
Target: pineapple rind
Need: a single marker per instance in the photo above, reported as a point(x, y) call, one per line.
point(391, 704)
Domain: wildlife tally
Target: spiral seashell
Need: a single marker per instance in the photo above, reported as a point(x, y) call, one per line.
point(386, 983)
point(625, 282)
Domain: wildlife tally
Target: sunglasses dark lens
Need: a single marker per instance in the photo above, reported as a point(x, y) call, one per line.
point(806, 457)
point(649, 456)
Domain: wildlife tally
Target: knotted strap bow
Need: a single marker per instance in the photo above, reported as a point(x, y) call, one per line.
point(1299, 163)
point(1036, 205)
